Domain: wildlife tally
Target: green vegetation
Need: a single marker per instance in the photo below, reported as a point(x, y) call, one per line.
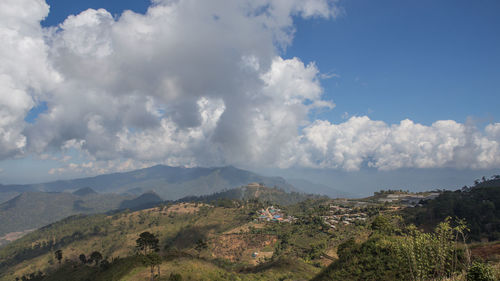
point(95, 257)
point(220, 237)
point(479, 271)
point(393, 252)
point(262, 194)
point(479, 205)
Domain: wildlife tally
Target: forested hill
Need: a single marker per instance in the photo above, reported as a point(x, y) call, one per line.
point(479, 205)
point(257, 192)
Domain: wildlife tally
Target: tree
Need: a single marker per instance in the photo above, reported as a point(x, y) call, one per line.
point(201, 245)
point(382, 224)
point(96, 257)
point(152, 260)
point(58, 254)
point(147, 243)
point(83, 258)
point(105, 264)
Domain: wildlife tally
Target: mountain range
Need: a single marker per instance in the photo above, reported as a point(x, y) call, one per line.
point(31, 206)
point(170, 183)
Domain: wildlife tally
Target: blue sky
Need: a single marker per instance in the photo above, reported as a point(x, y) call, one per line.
point(60, 9)
point(423, 60)
point(426, 61)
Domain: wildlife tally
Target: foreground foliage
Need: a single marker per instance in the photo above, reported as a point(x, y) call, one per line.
point(480, 272)
point(401, 253)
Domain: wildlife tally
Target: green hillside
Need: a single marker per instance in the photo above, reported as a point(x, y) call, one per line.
point(31, 210)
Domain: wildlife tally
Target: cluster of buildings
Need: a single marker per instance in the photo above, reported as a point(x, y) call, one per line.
point(341, 215)
point(407, 199)
point(273, 214)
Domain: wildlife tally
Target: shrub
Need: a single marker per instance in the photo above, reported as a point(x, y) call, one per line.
point(480, 272)
point(175, 277)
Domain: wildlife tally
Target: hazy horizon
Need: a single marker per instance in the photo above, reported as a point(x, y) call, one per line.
point(359, 183)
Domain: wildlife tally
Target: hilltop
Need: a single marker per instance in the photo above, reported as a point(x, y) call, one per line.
point(255, 191)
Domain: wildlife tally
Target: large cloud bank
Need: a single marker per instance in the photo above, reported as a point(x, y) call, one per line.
point(197, 83)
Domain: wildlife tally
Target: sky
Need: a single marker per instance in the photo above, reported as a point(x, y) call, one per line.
point(355, 94)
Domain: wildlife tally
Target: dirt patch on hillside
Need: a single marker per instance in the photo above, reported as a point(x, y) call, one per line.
point(486, 252)
point(12, 236)
point(184, 208)
point(251, 248)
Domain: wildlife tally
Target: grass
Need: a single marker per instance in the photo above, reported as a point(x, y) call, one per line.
point(197, 269)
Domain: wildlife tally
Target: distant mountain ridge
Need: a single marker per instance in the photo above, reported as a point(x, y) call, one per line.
point(170, 183)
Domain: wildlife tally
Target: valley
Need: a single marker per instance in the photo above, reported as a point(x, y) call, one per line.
point(239, 234)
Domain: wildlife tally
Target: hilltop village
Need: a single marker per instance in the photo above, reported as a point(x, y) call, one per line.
point(274, 214)
point(346, 216)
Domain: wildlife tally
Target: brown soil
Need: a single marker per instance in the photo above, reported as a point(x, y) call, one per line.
point(487, 251)
point(12, 236)
point(241, 247)
point(184, 208)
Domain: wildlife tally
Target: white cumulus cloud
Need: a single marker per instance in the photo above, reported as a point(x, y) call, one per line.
point(25, 73)
point(196, 83)
point(361, 141)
